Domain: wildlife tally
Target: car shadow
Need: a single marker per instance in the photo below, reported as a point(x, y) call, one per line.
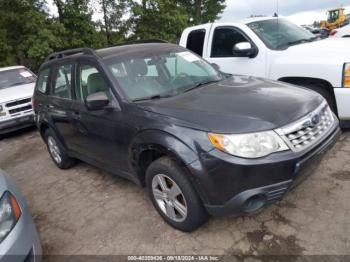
point(18, 133)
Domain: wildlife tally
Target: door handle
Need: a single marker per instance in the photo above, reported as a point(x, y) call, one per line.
point(76, 116)
point(78, 124)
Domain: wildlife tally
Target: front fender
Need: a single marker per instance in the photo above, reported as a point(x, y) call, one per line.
point(329, 70)
point(184, 150)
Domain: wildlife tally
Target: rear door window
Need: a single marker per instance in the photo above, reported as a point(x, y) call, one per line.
point(195, 41)
point(62, 80)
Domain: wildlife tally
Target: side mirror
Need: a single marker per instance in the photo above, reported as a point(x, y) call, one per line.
point(216, 66)
point(96, 101)
point(244, 49)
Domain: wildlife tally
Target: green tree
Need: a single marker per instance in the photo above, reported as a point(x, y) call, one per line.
point(26, 36)
point(166, 19)
point(163, 19)
point(79, 29)
point(203, 11)
point(113, 22)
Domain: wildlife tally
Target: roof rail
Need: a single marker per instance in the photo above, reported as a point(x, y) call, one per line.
point(61, 54)
point(146, 41)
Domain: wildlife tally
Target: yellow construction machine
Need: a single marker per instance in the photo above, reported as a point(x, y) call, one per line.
point(335, 19)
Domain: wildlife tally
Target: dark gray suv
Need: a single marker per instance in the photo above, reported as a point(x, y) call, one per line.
point(202, 142)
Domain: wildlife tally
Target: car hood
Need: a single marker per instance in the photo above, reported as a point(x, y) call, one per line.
point(337, 50)
point(16, 92)
point(238, 104)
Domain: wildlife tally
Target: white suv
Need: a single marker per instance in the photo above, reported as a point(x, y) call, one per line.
point(16, 91)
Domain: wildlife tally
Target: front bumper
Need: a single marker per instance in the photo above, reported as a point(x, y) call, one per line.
point(13, 124)
point(231, 185)
point(22, 243)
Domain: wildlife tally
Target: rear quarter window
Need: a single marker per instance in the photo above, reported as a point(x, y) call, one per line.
point(195, 41)
point(41, 84)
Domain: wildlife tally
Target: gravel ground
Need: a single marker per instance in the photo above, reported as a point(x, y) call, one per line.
point(84, 210)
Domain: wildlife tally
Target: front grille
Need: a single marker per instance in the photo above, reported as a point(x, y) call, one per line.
point(308, 130)
point(18, 102)
point(20, 109)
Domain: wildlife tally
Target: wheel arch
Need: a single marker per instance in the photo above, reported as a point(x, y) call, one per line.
point(44, 125)
point(307, 81)
point(150, 145)
point(42, 129)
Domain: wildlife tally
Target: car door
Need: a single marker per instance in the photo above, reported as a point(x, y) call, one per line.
point(222, 41)
point(101, 136)
point(58, 106)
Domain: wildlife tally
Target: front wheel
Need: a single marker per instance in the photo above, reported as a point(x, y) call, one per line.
point(173, 195)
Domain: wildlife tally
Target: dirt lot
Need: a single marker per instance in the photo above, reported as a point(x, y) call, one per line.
point(87, 211)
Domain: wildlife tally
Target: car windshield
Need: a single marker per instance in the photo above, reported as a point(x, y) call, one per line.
point(167, 71)
point(15, 77)
point(279, 34)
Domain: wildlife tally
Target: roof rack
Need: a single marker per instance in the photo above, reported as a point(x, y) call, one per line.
point(61, 54)
point(146, 41)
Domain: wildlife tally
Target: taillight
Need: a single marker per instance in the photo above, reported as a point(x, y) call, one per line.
point(346, 75)
point(333, 32)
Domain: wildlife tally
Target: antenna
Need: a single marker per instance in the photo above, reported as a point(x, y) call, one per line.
point(276, 14)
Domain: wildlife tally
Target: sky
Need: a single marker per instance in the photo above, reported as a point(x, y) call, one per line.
point(301, 12)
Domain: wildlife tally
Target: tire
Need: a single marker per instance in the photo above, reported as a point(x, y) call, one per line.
point(322, 89)
point(188, 211)
point(57, 152)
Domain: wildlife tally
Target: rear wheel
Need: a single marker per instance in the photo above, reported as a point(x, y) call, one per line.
point(173, 195)
point(57, 152)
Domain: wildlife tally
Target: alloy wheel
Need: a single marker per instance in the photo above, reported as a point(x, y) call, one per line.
point(54, 149)
point(169, 197)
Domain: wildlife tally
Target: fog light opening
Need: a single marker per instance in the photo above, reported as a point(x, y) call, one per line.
point(254, 203)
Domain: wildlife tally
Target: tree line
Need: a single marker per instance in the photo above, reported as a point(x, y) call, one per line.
point(29, 32)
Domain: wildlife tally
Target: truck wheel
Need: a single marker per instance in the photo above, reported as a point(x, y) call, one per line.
point(57, 152)
point(322, 89)
point(173, 196)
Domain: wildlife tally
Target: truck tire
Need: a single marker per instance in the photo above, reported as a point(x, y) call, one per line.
point(173, 195)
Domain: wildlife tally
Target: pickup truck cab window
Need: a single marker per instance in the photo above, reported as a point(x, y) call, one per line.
point(195, 41)
point(62, 80)
point(224, 40)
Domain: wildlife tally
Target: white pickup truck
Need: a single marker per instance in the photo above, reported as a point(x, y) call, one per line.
point(277, 49)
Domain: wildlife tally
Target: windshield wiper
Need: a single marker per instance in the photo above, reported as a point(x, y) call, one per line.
point(152, 97)
point(300, 41)
point(199, 84)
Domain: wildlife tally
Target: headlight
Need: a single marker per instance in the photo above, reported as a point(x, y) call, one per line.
point(252, 145)
point(346, 75)
point(10, 212)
